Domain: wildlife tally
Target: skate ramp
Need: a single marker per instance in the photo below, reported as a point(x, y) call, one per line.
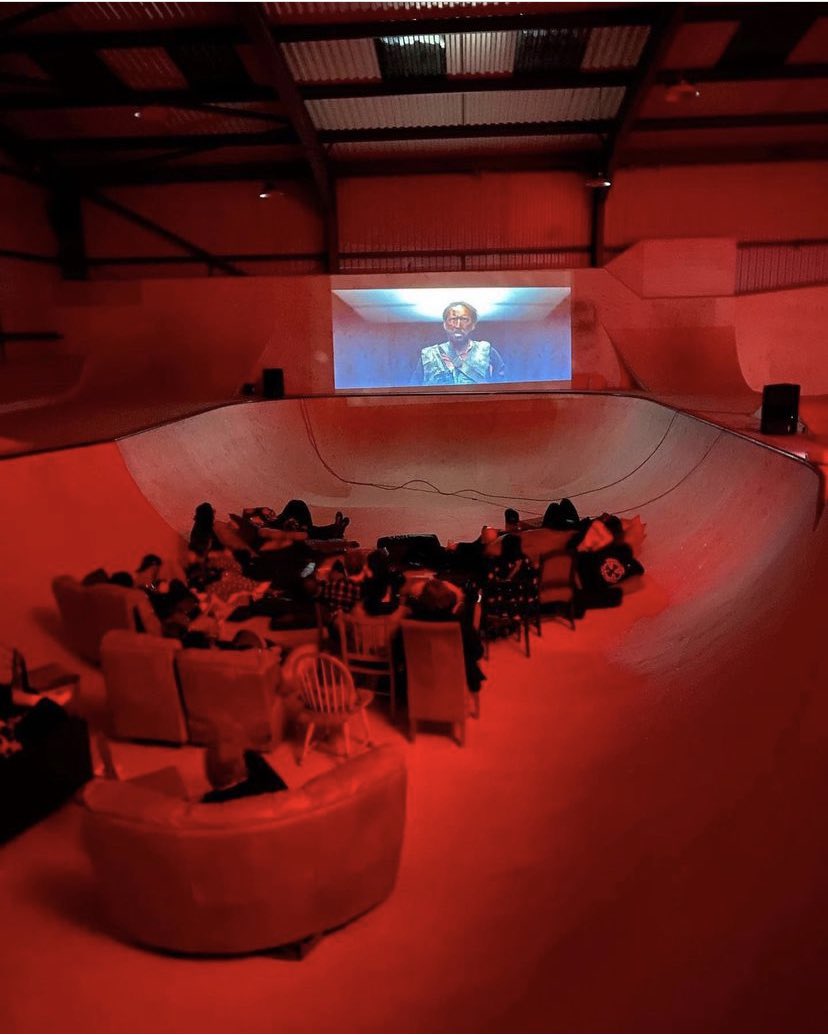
point(730, 523)
point(633, 837)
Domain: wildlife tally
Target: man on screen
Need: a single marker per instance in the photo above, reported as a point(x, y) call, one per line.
point(461, 360)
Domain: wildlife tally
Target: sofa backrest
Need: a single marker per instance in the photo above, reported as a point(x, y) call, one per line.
point(89, 612)
point(240, 687)
point(142, 692)
point(436, 670)
point(252, 873)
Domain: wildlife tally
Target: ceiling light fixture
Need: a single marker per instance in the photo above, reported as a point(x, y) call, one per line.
point(137, 114)
point(598, 182)
point(266, 190)
point(681, 91)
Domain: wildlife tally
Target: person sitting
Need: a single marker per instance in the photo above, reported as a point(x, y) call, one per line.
point(512, 522)
point(296, 516)
point(345, 585)
point(561, 516)
point(469, 558)
point(441, 601)
point(510, 586)
point(234, 772)
point(382, 585)
point(203, 536)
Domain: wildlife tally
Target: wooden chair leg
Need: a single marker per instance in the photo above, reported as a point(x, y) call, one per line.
point(392, 692)
point(366, 728)
point(346, 734)
point(412, 730)
point(461, 736)
point(308, 735)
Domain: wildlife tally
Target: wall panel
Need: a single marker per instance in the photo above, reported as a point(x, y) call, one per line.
point(779, 201)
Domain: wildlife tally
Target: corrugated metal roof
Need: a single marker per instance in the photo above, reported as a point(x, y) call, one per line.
point(767, 267)
point(331, 61)
point(699, 44)
point(439, 109)
point(514, 106)
point(470, 145)
point(480, 53)
point(461, 109)
point(813, 47)
point(145, 68)
point(93, 16)
point(615, 47)
point(297, 12)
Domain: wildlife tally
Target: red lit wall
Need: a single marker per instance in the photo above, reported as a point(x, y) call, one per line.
point(779, 201)
point(220, 218)
point(496, 211)
point(26, 287)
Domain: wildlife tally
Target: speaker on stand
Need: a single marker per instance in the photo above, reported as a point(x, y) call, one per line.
point(273, 383)
point(780, 409)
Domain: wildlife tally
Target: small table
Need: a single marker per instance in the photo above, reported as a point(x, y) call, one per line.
point(52, 681)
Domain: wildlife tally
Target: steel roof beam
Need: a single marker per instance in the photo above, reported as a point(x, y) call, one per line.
point(511, 129)
point(661, 36)
point(280, 78)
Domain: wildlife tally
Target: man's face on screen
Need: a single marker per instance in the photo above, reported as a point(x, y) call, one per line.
point(459, 323)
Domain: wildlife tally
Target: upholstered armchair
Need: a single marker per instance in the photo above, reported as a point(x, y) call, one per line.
point(238, 686)
point(142, 694)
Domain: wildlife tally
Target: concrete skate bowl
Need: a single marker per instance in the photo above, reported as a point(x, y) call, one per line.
point(732, 526)
point(633, 838)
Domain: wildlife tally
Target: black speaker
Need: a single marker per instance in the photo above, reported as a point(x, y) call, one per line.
point(273, 383)
point(780, 409)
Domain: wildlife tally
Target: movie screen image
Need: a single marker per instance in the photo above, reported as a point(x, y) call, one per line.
point(452, 338)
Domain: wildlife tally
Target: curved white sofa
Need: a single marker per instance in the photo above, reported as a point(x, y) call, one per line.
point(249, 874)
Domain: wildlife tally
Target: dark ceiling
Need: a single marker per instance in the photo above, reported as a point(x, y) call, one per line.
point(135, 93)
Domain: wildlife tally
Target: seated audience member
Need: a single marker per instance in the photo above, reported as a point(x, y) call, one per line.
point(345, 585)
point(12, 675)
point(203, 536)
point(382, 585)
point(228, 585)
point(512, 522)
point(234, 772)
point(511, 582)
point(561, 516)
point(441, 601)
point(153, 572)
point(470, 557)
point(148, 573)
point(296, 515)
point(604, 559)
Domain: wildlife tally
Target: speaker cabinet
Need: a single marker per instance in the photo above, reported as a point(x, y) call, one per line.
point(273, 383)
point(780, 409)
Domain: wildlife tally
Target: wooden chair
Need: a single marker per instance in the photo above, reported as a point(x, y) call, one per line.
point(502, 609)
point(557, 582)
point(437, 689)
point(367, 649)
point(329, 698)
